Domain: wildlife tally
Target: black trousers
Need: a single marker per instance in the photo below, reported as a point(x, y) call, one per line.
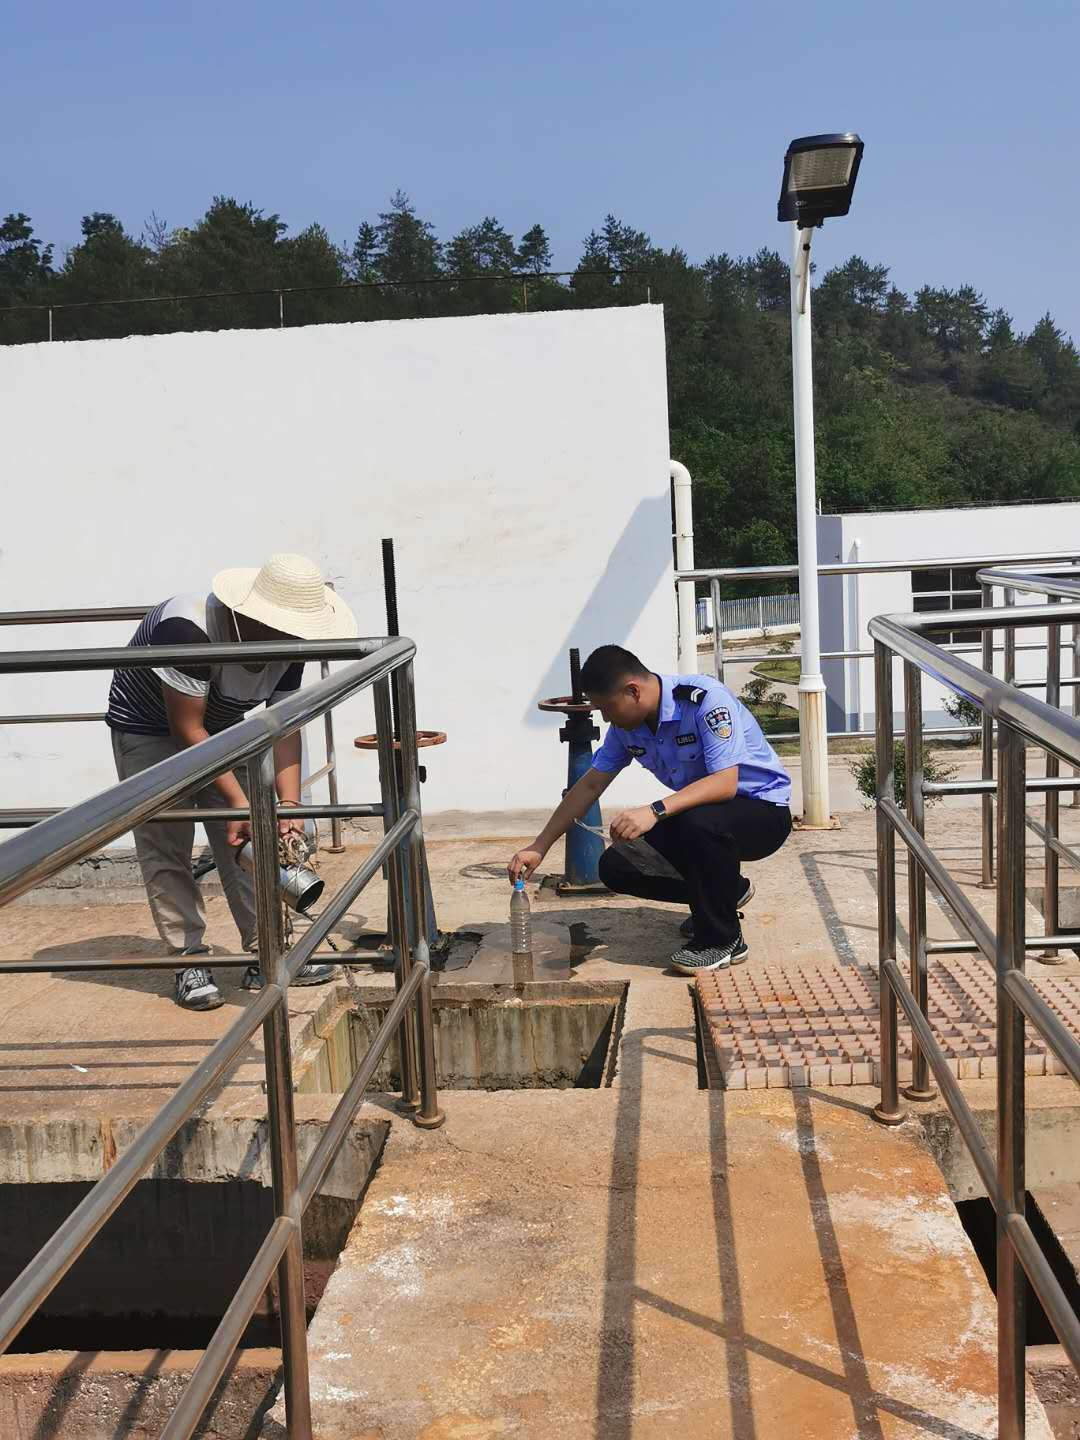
point(703, 848)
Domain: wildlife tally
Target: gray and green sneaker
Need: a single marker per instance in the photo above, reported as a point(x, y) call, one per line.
point(693, 959)
point(686, 929)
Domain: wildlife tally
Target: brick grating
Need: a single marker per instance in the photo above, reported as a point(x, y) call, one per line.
point(781, 1026)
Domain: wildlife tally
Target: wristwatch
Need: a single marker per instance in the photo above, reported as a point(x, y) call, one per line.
point(659, 809)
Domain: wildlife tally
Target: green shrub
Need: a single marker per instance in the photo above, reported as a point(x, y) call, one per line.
point(753, 692)
point(964, 712)
point(784, 646)
point(864, 769)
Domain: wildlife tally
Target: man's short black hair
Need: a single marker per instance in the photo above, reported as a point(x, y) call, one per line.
point(609, 668)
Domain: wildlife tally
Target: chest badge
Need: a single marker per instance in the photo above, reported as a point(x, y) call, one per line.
point(685, 739)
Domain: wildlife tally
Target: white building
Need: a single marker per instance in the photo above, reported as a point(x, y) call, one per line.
point(848, 603)
point(520, 463)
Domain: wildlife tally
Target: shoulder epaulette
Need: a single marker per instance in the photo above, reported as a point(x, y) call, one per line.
point(694, 693)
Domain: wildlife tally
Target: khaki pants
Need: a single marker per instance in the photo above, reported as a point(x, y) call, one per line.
point(164, 851)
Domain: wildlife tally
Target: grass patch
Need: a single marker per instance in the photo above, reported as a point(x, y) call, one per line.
point(775, 719)
point(785, 669)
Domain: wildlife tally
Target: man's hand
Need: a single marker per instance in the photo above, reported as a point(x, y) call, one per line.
point(523, 864)
point(287, 825)
point(237, 831)
point(632, 823)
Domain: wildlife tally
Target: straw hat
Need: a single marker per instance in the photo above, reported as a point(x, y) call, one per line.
point(287, 594)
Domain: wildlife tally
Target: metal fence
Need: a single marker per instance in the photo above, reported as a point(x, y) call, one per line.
point(749, 612)
point(514, 285)
point(715, 579)
point(65, 837)
point(1020, 720)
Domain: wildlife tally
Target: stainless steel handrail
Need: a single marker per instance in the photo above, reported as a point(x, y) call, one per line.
point(107, 613)
point(1050, 561)
point(1055, 583)
point(1045, 580)
point(1019, 718)
point(62, 838)
point(879, 567)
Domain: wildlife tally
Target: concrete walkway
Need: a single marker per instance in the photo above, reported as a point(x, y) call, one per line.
point(645, 1259)
point(655, 1260)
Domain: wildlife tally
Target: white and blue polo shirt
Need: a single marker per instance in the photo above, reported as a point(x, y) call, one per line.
point(703, 728)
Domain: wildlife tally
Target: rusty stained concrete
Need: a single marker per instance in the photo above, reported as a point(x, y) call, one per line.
point(126, 1396)
point(656, 1261)
point(638, 1261)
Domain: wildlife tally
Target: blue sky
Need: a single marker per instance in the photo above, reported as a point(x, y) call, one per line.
point(673, 117)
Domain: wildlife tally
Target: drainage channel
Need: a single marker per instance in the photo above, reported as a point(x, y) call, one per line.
point(543, 1036)
point(1056, 1383)
point(164, 1268)
point(109, 1353)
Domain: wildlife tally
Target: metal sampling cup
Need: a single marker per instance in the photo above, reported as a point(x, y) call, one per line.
point(300, 886)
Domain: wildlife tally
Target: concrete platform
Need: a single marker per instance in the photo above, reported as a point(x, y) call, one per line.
point(656, 1261)
point(643, 1259)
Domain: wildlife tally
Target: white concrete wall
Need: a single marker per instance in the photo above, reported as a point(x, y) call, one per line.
point(519, 462)
point(923, 534)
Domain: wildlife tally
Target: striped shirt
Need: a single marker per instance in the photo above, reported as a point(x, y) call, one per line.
point(136, 698)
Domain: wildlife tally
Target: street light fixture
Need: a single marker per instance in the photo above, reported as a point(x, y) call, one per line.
point(819, 177)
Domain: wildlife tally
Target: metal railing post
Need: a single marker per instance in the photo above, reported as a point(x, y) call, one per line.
point(336, 826)
point(987, 752)
point(1010, 641)
point(429, 1114)
point(887, 1110)
point(1075, 802)
point(718, 631)
point(1011, 1295)
point(1051, 863)
point(280, 1121)
point(920, 1087)
point(395, 875)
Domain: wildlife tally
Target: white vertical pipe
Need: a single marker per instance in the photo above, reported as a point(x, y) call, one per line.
point(813, 743)
point(684, 560)
point(855, 641)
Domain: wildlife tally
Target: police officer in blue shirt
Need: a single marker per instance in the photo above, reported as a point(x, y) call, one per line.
point(730, 802)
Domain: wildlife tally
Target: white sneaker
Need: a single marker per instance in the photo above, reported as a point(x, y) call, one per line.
point(195, 988)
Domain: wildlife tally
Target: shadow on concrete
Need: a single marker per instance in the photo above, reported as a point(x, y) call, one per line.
point(863, 1401)
point(732, 1325)
point(615, 1386)
point(637, 563)
point(65, 1387)
point(144, 982)
point(12, 1061)
point(147, 982)
point(126, 1423)
point(616, 1365)
point(835, 927)
point(654, 929)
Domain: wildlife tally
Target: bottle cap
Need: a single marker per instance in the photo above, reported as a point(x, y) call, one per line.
point(519, 884)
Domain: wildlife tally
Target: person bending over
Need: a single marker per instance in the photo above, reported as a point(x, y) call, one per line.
point(156, 713)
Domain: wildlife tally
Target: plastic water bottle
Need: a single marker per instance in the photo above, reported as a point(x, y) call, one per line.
point(520, 921)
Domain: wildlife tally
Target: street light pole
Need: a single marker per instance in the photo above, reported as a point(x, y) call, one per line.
point(819, 180)
point(813, 734)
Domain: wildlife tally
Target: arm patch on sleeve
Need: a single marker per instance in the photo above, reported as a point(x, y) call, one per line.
point(719, 722)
